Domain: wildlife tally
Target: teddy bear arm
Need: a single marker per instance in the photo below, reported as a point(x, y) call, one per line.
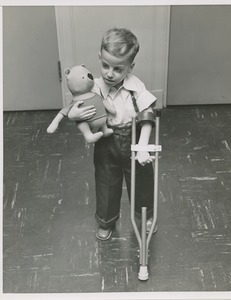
point(55, 123)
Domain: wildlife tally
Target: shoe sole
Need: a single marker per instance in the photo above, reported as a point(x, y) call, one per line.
point(154, 231)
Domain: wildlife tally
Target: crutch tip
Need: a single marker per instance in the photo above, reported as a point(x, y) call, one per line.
point(143, 273)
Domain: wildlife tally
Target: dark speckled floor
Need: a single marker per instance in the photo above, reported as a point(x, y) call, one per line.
point(49, 243)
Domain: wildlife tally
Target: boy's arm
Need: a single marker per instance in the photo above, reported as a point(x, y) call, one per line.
point(144, 157)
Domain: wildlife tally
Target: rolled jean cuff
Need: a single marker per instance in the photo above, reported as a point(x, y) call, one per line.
point(107, 224)
point(149, 214)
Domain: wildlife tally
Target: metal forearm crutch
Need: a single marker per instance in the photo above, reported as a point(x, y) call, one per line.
point(143, 238)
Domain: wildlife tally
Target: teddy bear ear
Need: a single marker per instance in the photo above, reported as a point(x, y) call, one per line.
point(83, 65)
point(67, 71)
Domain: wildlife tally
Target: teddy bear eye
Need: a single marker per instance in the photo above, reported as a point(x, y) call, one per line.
point(83, 77)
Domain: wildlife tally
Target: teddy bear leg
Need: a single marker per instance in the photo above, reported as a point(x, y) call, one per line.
point(55, 123)
point(106, 131)
point(87, 134)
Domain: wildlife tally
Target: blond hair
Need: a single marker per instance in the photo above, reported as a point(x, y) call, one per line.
point(120, 42)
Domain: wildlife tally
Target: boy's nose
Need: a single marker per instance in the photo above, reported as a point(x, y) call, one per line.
point(110, 73)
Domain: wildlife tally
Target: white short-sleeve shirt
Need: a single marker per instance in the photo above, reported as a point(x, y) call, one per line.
point(121, 99)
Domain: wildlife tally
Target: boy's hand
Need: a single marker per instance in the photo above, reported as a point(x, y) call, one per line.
point(143, 158)
point(81, 113)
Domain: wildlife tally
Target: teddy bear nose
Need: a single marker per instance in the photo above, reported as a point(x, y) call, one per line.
point(89, 75)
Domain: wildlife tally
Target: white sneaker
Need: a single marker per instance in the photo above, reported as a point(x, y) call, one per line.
point(149, 225)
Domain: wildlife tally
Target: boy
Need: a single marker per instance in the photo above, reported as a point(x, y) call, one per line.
point(112, 155)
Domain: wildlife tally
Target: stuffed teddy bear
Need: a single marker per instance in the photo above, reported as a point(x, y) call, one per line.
point(80, 83)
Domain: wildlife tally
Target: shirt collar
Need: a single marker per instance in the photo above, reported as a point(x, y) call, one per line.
point(128, 84)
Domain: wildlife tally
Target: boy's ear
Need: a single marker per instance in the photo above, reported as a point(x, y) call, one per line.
point(131, 67)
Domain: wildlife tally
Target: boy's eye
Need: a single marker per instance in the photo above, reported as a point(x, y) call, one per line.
point(119, 70)
point(105, 65)
point(116, 69)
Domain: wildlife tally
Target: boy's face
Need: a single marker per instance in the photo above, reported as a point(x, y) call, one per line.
point(114, 69)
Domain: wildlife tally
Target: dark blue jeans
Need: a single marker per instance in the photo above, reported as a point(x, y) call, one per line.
point(112, 159)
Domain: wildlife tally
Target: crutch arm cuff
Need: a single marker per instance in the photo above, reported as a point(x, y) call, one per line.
point(146, 116)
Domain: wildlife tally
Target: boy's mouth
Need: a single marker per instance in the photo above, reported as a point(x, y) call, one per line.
point(109, 80)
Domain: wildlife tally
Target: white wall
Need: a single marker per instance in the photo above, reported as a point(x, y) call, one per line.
point(200, 55)
point(30, 55)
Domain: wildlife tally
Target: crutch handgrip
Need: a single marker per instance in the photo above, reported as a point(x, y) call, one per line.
point(148, 148)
